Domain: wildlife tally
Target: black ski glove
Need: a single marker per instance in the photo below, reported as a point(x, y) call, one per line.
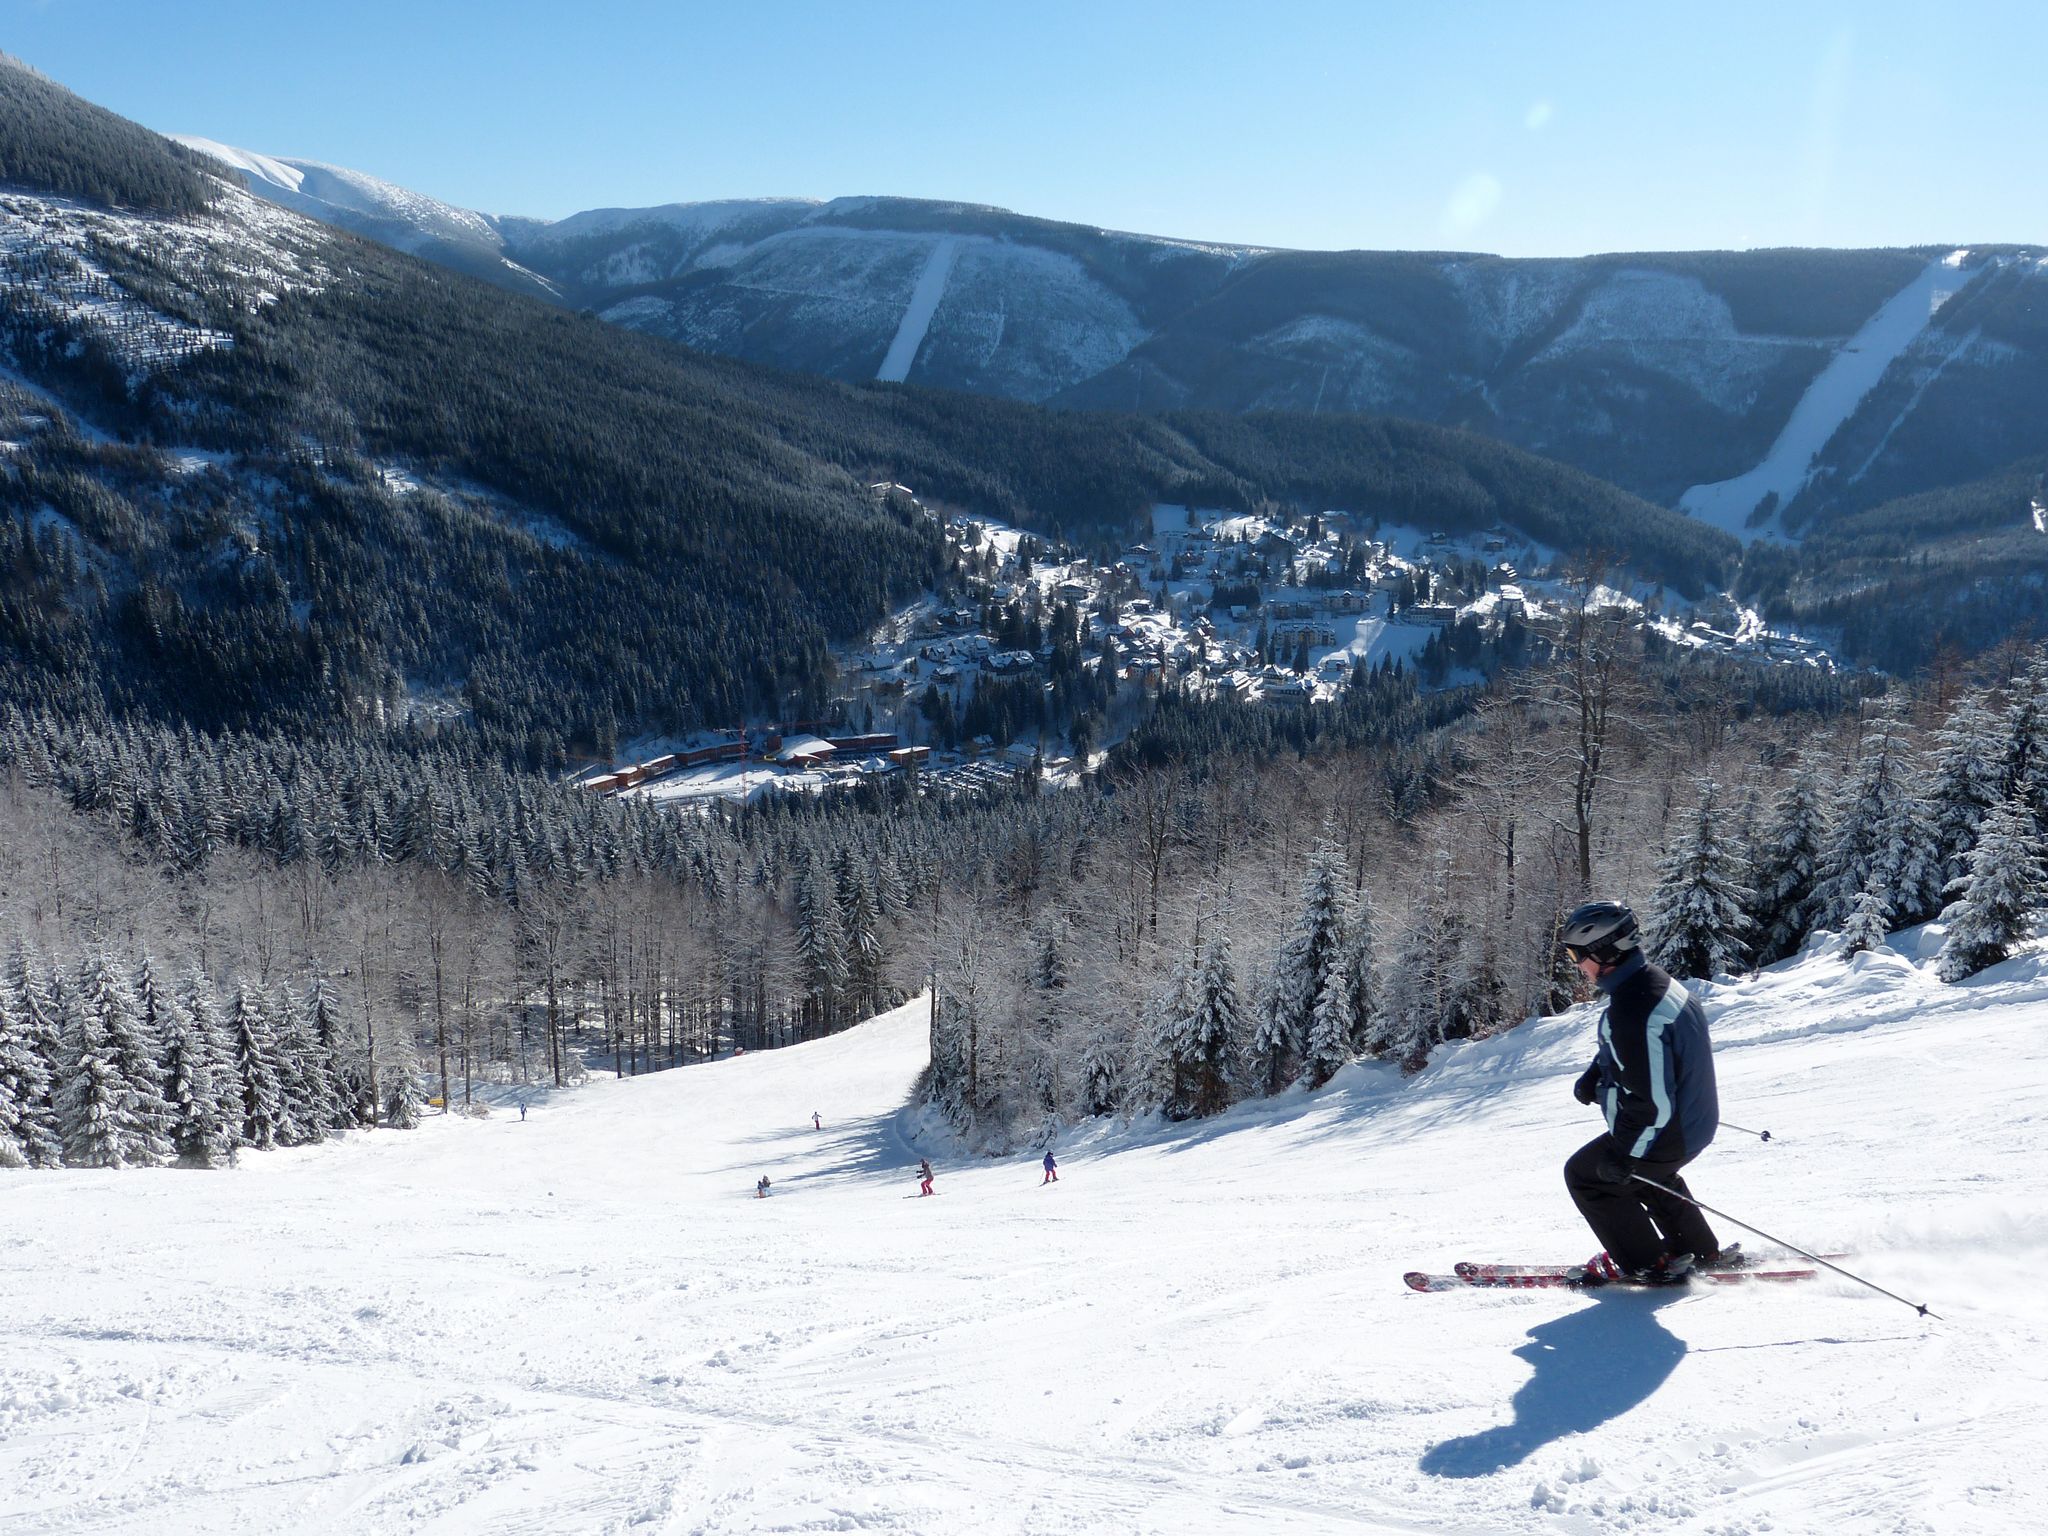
point(1613, 1168)
point(1587, 1088)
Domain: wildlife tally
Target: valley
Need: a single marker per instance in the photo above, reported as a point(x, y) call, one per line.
point(559, 775)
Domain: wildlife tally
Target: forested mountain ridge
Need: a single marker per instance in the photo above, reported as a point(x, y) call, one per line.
point(1656, 370)
point(1960, 568)
point(51, 139)
point(313, 479)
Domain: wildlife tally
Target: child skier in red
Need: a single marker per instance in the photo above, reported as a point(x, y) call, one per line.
point(924, 1174)
point(1052, 1170)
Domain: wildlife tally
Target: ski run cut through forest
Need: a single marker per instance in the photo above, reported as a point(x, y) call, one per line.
point(583, 1319)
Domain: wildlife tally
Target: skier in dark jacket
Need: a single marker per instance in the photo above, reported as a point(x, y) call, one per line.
point(1653, 1078)
point(1052, 1170)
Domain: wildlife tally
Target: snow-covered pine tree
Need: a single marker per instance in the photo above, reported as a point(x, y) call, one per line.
point(201, 1133)
point(1697, 917)
point(1104, 1061)
point(341, 1051)
point(92, 1097)
point(1906, 870)
point(892, 891)
point(820, 943)
point(264, 1120)
point(1196, 1030)
point(37, 1061)
point(1361, 975)
point(1272, 1052)
point(151, 1001)
point(402, 1098)
point(1785, 866)
point(1870, 920)
point(1218, 1024)
point(310, 1095)
point(967, 1005)
point(1965, 783)
point(19, 1074)
point(1048, 983)
point(2023, 764)
point(1426, 993)
point(863, 945)
point(210, 1034)
point(2004, 889)
point(27, 1137)
point(1316, 947)
point(1864, 811)
point(142, 1115)
point(1330, 1030)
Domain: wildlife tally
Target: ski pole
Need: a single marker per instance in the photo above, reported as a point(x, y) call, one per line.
point(1759, 1135)
point(1917, 1306)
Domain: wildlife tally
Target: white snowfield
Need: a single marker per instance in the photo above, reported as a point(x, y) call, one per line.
point(584, 1323)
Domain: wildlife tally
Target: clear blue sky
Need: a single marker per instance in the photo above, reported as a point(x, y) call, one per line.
point(1527, 129)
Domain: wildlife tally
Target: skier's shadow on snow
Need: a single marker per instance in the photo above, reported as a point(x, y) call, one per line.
point(1590, 1366)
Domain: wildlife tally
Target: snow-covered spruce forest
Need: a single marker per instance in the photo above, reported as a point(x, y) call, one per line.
point(235, 942)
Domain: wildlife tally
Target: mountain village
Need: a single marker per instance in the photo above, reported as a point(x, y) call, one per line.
point(1274, 610)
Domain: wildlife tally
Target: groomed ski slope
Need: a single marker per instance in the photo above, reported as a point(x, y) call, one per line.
point(584, 1323)
point(1831, 399)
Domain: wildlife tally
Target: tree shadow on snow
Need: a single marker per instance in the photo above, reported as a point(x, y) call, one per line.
point(859, 1147)
point(1590, 1366)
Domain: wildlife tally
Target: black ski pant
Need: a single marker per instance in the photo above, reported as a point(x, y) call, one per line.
point(1636, 1224)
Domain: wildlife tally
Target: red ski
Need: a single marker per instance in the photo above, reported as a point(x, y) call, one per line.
point(1575, 1280)
point(1733, 1266)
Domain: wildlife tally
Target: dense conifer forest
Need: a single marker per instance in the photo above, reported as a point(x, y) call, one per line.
point(51, 139)
point(1216, 914)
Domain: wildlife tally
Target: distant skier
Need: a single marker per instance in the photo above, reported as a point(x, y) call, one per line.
point(817, 1121)
point(1052, 1170)
point(522, 1109)
point(924, 1175)
point(761, 1187)
point(1653, 1078)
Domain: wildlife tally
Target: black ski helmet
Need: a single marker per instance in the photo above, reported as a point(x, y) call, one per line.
point(1604, 930)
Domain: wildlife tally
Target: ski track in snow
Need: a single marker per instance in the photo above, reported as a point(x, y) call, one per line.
point(584, 1322)
point(1831, 399)
point(917, 315)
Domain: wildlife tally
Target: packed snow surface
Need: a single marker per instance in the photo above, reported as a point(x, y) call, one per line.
point(584, 1322)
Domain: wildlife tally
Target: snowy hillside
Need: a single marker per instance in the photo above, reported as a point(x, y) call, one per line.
point(378, 209)
point(1716, 377)
point(53, 263)
point(583, 1322)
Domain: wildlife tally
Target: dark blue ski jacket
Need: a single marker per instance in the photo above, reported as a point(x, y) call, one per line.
point(1655, 1066)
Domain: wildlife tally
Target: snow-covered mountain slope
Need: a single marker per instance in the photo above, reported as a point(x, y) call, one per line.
point(53, 255)
point(1660, 372)
point(1832, 398)
point(378, 209)
point(584, 1321)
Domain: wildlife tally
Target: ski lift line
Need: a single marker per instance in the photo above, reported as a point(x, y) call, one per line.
point(1917, 1306)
